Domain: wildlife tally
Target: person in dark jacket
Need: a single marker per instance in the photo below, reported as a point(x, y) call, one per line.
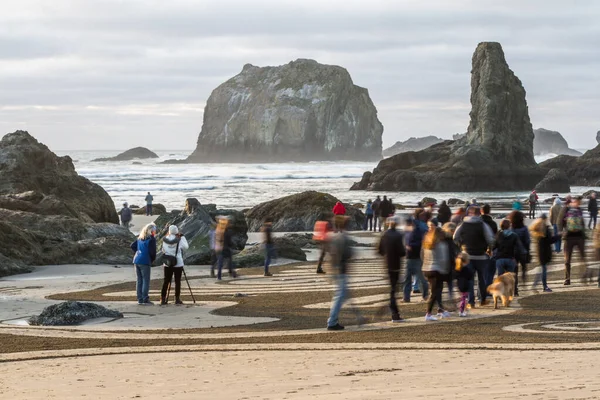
point(416, 230)
point(449, 229)
point(507, 249)
point(543, 233)
point(444, 213)
point(384, 209)
point(369, 216)
point(267, 230)
point(126, 215)
point(392, 248)
point(593, 210)
point(377, 213)
point(517, 222)
point(458, 216)
point(476, 236)
point(487, 218)
point(145, 254)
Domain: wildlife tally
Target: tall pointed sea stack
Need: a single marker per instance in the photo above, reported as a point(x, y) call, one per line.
point(497, 152)
point(301, 111)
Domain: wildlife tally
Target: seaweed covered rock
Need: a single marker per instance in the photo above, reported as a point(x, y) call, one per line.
point(72, 313)
point(299, 212)
point(301, 111)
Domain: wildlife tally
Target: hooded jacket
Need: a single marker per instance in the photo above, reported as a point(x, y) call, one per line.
point(555, 211)
point(392, 248)
point(170, 245)
point(508, 245)
point(339, 209)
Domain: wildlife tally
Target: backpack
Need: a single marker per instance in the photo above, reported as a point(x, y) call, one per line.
point(321, 231)
point(532, 198)
point(574, 220)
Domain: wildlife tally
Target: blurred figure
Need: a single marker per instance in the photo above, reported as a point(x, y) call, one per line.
point(416, 230)
point(554, 215)
point(449, 229)
point(369, 216)
point(593, 210)
point(268, 242)
point(517, 222)
point(436, 267)
point(145, 254)
point(377, 213)
point(149, 199)
point(341, 253)
point(572, 224)
point(444, 213)
point(516, 205)
point(465, 276)
point(459, 216)
point(212, 237)
point(384, 209)
point(174, 245)
point(543, 234)
point(392, 248)
point(322, 231)
point(224, 246)
point(126, 215)
point(339, 209)
point(597, 248)
point(533, 201)
point(476, 236)
point(507, 249)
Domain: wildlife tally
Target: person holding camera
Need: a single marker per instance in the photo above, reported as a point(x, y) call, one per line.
point(173, 247)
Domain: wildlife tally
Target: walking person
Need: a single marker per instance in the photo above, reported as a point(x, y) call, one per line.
point(341, 253)
point(517, 223)
point(416, 231)
point(377, 213)
point(554, 215)
point(444, 213)
point(369, 216)
point(533, 201)
point(487, 218)
point(449, 229)
point(145, 254)
point(174, 244)
point(572, 224)
point(465, 276)
point(384, 209)
point(149, 199)
point(322, 231)
point(543, 234)
point(126, 215)
point(392, 248)
point(593, 210)
point(459, 216)
point(268, 242)
point(476, 236)
point(507, 249)
point(596, 238)
point(224, 247)
point(436, 267)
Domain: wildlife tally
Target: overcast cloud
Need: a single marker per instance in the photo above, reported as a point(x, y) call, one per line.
point(92, 74)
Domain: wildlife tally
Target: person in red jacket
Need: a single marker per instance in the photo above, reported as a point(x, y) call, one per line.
point(339, 209)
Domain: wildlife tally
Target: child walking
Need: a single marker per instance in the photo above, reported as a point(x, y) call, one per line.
point(465, 275)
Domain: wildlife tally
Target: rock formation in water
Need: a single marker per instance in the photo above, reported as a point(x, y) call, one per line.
point(581, 171)
point(51, 215)
point(412, 144)
point(301, 111)
point(551, 142)
point(137, 153)
point(299, 212)
point(496, 153)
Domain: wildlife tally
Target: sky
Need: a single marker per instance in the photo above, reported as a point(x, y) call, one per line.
point(97, 75)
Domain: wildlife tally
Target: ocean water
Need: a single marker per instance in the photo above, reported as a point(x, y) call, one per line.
point(242, 186)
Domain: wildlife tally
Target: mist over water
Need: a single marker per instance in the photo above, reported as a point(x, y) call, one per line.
point(242, 186)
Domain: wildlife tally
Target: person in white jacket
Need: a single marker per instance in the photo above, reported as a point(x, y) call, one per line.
point(173, 245)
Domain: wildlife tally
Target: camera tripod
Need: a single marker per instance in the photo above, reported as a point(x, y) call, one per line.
point(188, 284)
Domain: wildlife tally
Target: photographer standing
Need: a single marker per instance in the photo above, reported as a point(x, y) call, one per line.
point(173, 246)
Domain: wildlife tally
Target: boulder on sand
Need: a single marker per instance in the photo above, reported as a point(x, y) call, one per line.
point(254, 256)
point(495, 155)
point(157, 209)
point(72, 313)
point(555, 181)
point(137, 153)
point(299, 212)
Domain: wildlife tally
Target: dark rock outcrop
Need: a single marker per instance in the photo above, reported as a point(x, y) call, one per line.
point(581, 171)
point(299, 212)
point(31, 173)
point(497, 152)
point(157, 209)
point(301, 111)
point(551, 142)
point(51, 215)
point(72, 313)
point(556, 181)
point(195, 223)
point(412, 144)
point(137, 153)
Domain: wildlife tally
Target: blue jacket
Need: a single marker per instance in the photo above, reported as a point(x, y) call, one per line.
point(369, 209)
point(145, 251)
point(414, 239)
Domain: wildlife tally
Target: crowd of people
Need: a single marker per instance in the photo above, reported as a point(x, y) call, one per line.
point(462, 251)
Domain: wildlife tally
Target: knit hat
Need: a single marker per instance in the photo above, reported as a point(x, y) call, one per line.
point(173, 230)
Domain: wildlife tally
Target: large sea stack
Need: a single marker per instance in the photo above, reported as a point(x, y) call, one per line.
point(51, 215)
point(301, 111)
point(496, 153)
